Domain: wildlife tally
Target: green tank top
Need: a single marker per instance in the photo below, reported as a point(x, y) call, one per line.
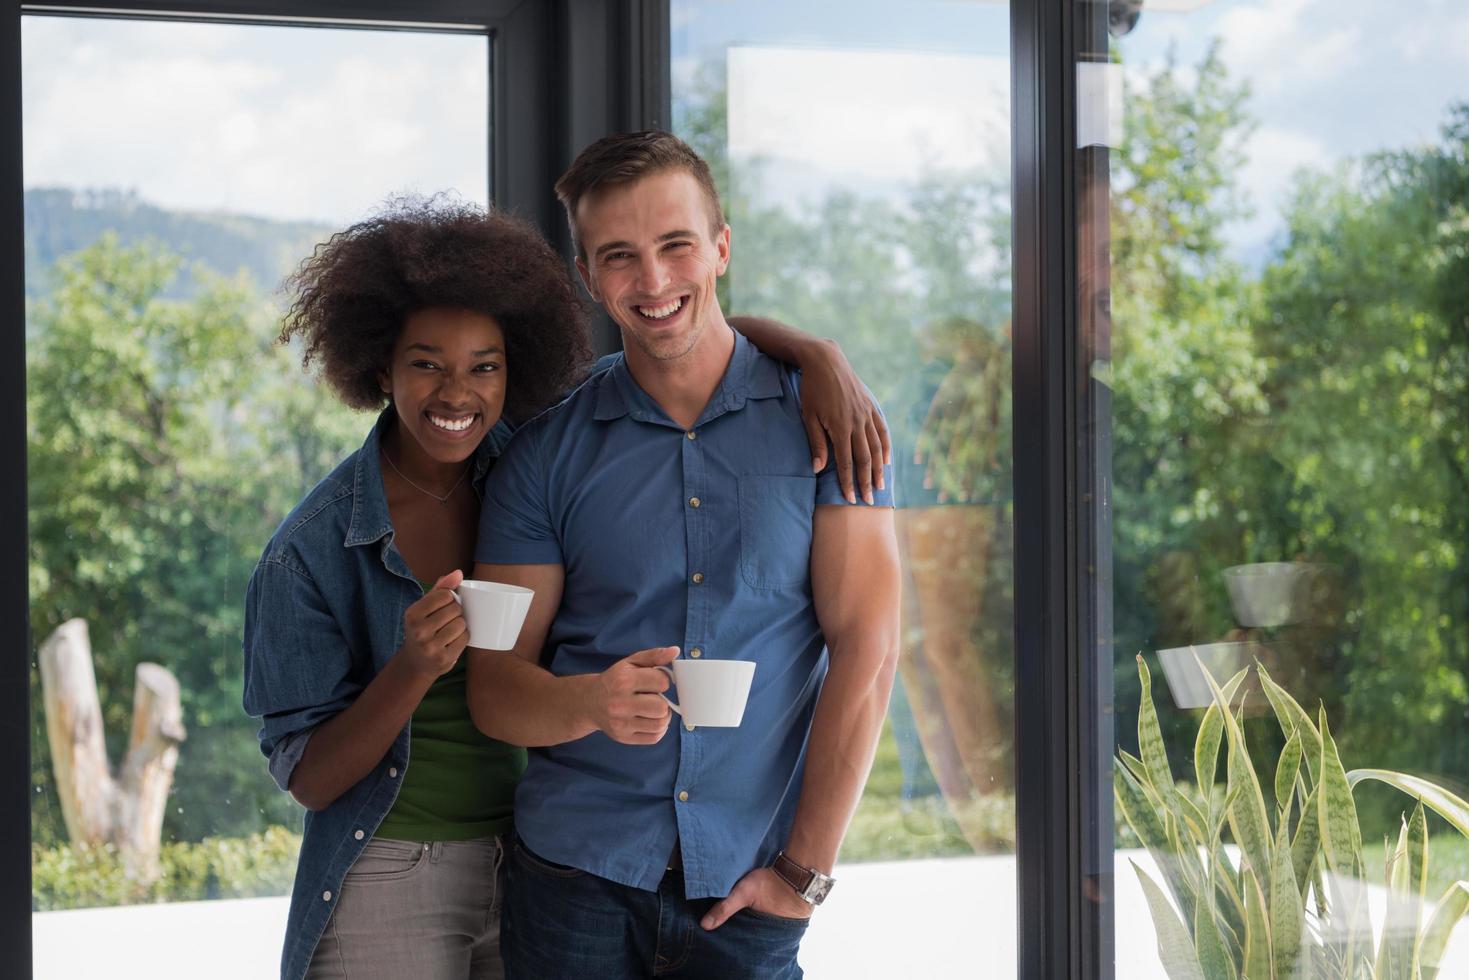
point(459, 783)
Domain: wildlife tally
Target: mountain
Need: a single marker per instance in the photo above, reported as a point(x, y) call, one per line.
point(63, 220)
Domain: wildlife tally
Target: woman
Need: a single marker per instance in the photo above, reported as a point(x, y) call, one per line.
point(454, 319)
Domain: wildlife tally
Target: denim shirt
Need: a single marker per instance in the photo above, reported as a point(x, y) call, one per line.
point(699, 537)
point(323, 614)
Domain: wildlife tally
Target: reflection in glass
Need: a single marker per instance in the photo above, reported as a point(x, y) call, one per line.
point(865, 171)
point(174, 173)
point(1290, 402)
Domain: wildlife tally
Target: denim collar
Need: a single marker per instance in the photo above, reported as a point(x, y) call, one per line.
point(748, 375)
point(371, 521)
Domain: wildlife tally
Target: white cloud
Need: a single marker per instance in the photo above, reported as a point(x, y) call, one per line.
point(1459, 39)
point(1281, 43)
point(290, 123)
point(1275, 156)
point(869, 117)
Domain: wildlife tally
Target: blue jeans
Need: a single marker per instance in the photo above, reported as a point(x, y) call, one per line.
point(559, 923)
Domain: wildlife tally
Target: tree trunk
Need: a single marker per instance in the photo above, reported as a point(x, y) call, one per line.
point(147, 769)
point(126, 811)
point(947, 552)
point(74, 730)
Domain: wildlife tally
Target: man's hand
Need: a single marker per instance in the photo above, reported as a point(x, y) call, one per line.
point(623, 701)
point(434, 630)
point(834, 404)
point(763, 891)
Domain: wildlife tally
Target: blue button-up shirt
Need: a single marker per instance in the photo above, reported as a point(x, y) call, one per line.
point(323, 614)
point(697, 538)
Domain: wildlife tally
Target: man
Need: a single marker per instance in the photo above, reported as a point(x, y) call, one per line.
point(668, 506)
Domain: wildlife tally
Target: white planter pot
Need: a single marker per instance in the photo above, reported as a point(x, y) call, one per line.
point(1223, 660)
point(1266, 593)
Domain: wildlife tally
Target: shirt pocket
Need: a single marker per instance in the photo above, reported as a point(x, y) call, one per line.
point(775, 530)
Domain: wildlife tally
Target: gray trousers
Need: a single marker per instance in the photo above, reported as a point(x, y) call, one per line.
point(411, 910)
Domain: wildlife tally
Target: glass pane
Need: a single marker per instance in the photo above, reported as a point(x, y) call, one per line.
point(1289, 291)
point(173, 174)
point(864, 163)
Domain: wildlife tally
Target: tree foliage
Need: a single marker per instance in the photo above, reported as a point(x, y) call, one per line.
point(166, 439)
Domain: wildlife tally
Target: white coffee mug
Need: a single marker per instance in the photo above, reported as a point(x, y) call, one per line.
point(494, 612)
point(711, 693)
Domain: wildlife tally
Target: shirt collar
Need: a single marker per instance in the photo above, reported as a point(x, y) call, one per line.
point(370, 518)
point(749, 375)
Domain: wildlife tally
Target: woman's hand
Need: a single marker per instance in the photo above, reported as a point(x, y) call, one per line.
point(835, 405)
point(434, 631)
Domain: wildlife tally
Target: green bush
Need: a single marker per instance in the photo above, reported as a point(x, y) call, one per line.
point(69, 876)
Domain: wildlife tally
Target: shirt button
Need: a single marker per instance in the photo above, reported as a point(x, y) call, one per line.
point(692, 434)
point(696, 652)
point(683, 797)
point(359, 835)
point(698, 577)
point(693, 501)
point(688, 726)
point(393, 772)
point(326, 896)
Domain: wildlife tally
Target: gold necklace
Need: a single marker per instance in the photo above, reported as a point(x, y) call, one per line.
point(442, 500)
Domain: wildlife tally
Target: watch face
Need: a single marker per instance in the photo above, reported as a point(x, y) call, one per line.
point(819, 888)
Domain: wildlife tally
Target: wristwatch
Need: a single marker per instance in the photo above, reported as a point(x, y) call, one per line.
point(813, 886)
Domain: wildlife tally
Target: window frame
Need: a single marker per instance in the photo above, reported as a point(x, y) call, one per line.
point(562, 73)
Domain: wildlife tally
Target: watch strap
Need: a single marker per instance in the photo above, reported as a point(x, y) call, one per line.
point(811, 885)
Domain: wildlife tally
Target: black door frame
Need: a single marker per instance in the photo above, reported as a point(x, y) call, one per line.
point(564, 72)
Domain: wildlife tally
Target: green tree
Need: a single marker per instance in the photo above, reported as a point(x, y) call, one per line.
point(166, 440)
point(1188, 377)
point(1366, 324)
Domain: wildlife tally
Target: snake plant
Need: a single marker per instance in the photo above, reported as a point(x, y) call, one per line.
point(1289, 902)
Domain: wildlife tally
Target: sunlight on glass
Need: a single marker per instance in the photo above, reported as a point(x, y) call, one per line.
point(173, 174)
point(1288, 260)
point(865, 170)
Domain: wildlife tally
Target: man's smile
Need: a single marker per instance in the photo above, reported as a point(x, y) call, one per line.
point(663, 310)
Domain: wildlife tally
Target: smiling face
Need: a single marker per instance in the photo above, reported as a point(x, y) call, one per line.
point(652, 261)
point(447, 382)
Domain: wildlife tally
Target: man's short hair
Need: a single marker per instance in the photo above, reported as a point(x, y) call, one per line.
point(625, 158)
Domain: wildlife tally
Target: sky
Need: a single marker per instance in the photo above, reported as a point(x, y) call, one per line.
point(290, 123)
point(319, 124)
point(863, 99)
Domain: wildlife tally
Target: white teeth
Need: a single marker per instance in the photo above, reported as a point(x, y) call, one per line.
point(659, 312)
point(452, 425)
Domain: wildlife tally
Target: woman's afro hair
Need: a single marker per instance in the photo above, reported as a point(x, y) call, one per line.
point(353, 295)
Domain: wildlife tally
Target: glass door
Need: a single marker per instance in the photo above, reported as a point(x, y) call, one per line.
point(863, 155)
point(1285, 248)
point(174, 173)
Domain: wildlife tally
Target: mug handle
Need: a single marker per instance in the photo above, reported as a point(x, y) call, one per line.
point(669, 671)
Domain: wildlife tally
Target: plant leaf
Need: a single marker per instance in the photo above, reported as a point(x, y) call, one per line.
point(1307, 844)
point(1134, 765)
point(1293, 718)
point(1150, 738)
point(1285, 776)
point(1211, 730)
point(1447, 805)
point(1151, 828)
point(1137, 809)
point(1341, 848)
point(1257, 930)
point(1193, 818)
point(1175, 947)
point(1341, 837)
point(1400, 922)
point(1450, 909)
point(1247, 816)
point(1286, 910)
point(1417, 846)
point(1214, 958)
